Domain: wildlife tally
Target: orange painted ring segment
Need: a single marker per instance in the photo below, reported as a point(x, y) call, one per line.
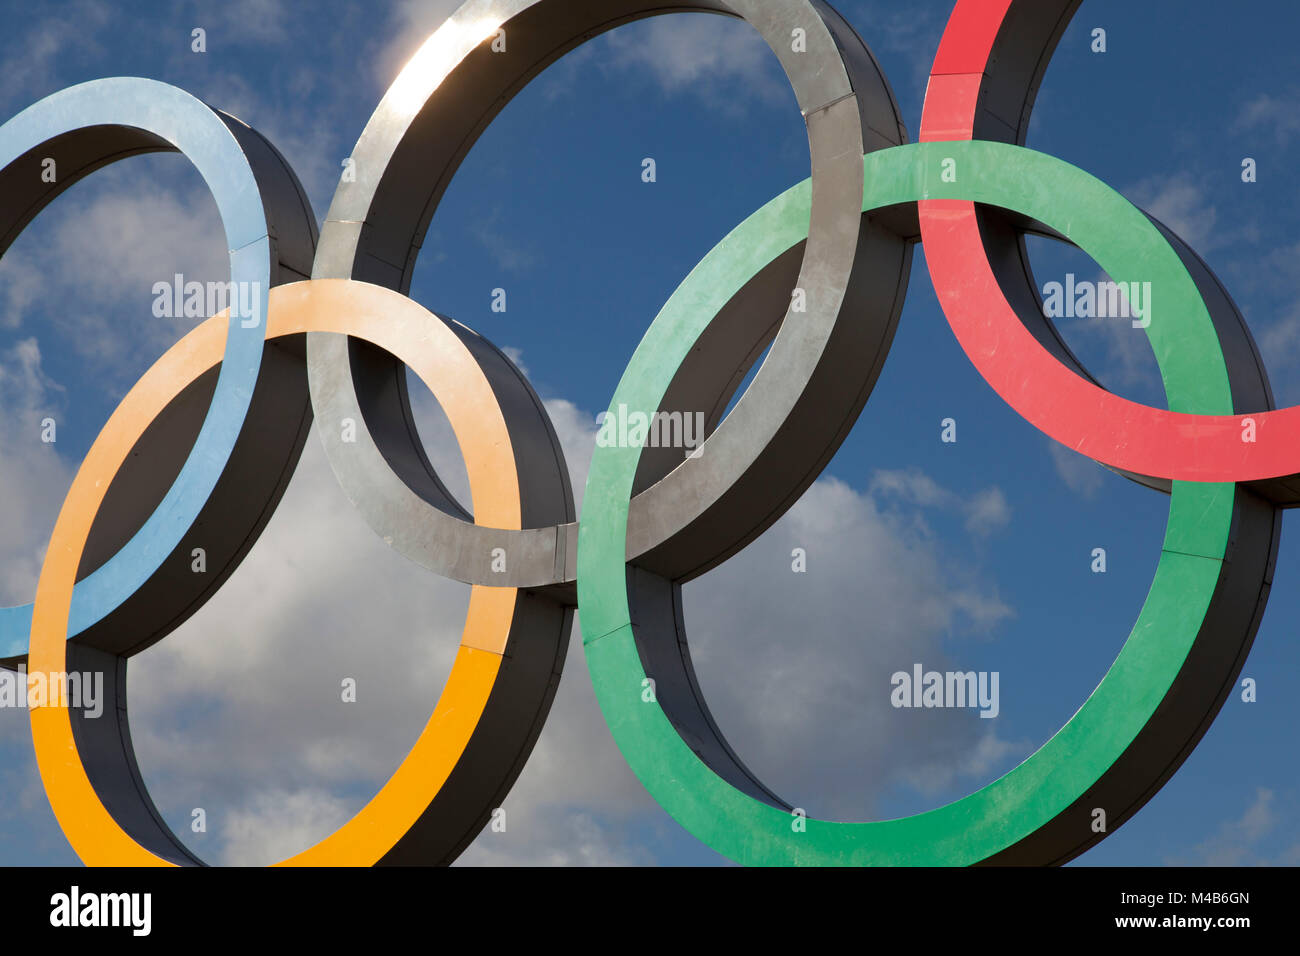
point(425, 343)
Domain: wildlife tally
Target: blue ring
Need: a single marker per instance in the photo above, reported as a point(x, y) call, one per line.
point(198, 133)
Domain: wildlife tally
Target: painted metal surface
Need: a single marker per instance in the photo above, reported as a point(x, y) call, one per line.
point(984, 83)
point(1134, 729)
point(690, 514)
point(495, 698)
point(205, 443)
point(84, 128)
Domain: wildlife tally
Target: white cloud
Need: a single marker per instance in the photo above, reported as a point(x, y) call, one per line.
point(33, 478)
point(134, 224)
point(1250, 840)
point(23, 383)
point(22, 286)
point(246, 21)
point(510, 254)
point(797, 666)
point(277, 824)
point(1279, 115)
point(36, 60)
point(985, 511)
point(1280, 341)
point(570, 838)
point(1081, 475)
point(721, 60)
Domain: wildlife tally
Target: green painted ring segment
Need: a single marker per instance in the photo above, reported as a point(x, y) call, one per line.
point(1124, 243)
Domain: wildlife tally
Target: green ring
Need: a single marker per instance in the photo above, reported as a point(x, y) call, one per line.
point(971, 829)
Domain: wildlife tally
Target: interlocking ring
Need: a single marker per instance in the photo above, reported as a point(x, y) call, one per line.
point(271, 236)
point(986, 75)
point(91, 780)
point(339, 345)
point(1145, 714)
point(429, 811)
point(1190, 641)
point(687, 516)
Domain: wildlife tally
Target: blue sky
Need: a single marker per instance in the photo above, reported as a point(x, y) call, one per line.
point(973, 556)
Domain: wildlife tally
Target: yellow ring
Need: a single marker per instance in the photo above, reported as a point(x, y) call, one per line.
point(401, 326)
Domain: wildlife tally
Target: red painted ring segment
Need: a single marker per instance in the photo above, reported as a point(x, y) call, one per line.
point(1065, 406)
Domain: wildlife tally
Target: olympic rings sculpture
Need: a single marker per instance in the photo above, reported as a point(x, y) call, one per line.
point(202, 447)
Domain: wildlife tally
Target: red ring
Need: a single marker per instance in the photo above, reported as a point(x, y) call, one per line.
point(1065, 406)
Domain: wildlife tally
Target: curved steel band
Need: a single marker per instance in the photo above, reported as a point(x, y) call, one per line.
point(135, 580)
point(984, 82)
point(819, 349)
point(985, 79)
point(181, 465)
point(688, 515)
point(494, 701)
point(498, 708)
point(1171, 676)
